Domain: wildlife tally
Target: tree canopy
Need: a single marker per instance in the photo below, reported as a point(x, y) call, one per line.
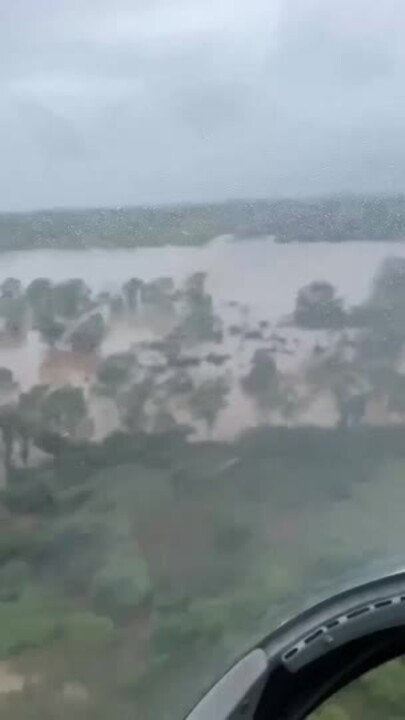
point(88, 335)
point(317, 306)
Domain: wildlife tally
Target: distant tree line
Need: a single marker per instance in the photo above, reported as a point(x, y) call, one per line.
point(328, 219)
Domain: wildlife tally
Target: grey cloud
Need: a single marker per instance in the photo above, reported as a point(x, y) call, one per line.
point(167, 100)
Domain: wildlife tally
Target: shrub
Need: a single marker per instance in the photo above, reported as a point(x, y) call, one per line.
point(87, 627)
point(15, 545)
point(121, 585)
point(29, 498)
point(24, 626)
point(13, 577)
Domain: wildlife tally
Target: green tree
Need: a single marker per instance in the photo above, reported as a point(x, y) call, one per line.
point(383, 317)
point(195, 285)
point(132, 404)
point(121, 584)
point(13, 577)
point(117, 305)
point(14, 430)
point(30, 406)
point(158, 292)
point(262, 380)
point(208, 399)
point(317, 306)
point(38, 290)
point(103, 298)
point(63, 409)
point(115, 370)
point(199, 320)
point(39, 297)
point(172, 344)
point(71, 298)
point(131, 290)
point(378, 350)
point(179, 383)
point(395, 386)
point(386, 304)
point(6, 379)
point(388, 288)
point(165, 285)
point(88, 335)
point(335, 374)
point(164, 421)
point(10, 288)
point(51, 330)
point(8, 428)
point(13, 310)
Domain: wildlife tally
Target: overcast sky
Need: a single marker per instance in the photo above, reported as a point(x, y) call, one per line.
point(143, 101)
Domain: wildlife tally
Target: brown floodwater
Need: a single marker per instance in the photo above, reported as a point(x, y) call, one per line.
point(251, 281)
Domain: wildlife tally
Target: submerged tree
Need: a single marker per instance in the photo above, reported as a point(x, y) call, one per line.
point(352, 409)
point(15, 432)
point(39, 297)
point(195, 285)
point(117, 305)
point(71, 298)
point(208, 399)
point(132, 404)
point(382, 340)
point(317, 306)
point(51, 330)
point(388, 288)
point(172, 344)
point(262, 381)
point(103, 298)
point(131, 290)
point(156, 292)
point(395, 388)
point(115, 371)
point(346, 381)
point(13, 309)
point(378, 351)
point(333, 373)
point(30, 406)
point(199, 322)
point(179, 383)
point(158, 297)
point(164, 420)
point(6, 379)
point(87, 336)
point(8, 428)
point(63, 409)
point(10, 288)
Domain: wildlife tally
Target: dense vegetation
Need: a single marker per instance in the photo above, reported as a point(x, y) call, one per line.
point(87, 587)
point(334, 219)
point(136, 566)
point(377, 695)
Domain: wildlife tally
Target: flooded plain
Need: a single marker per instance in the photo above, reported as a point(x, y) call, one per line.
point(259, 272)
point(251, 282)
point(238, 510)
